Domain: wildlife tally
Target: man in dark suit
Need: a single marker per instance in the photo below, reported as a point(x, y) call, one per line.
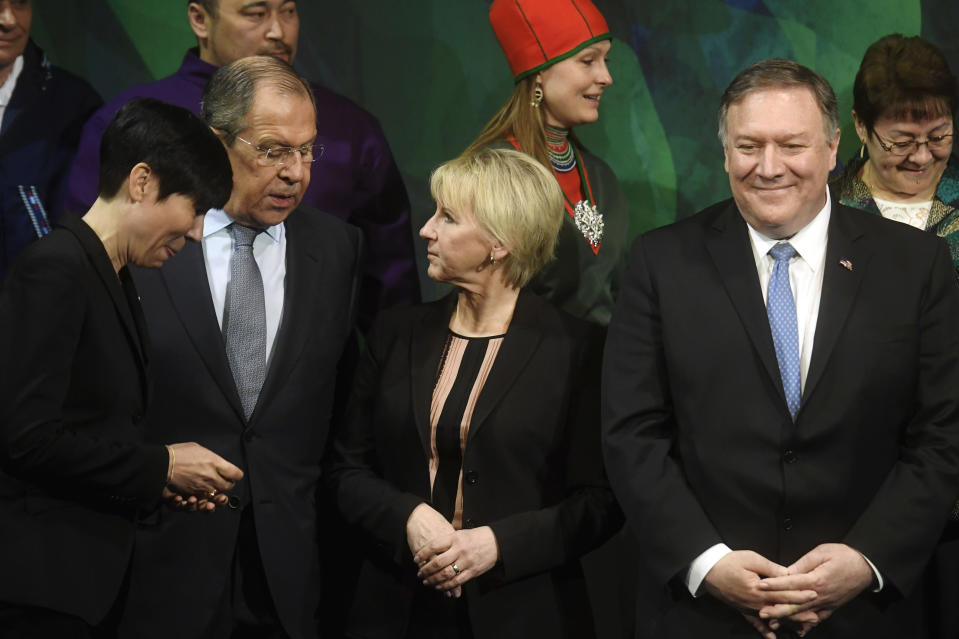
point(781, 395)
point(250, 327)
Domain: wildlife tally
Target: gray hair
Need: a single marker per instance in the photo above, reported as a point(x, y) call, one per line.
point(228, 96)
point(778, 73)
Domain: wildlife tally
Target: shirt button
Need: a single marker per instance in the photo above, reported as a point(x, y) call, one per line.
point(790, 457)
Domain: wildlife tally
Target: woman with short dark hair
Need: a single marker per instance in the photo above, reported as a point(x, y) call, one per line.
point(904, 97)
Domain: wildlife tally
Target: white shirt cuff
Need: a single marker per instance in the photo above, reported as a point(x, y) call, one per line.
point(702, 564)
point(875, 571)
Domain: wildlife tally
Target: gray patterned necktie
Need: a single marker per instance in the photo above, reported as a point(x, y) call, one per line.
point(244, 322)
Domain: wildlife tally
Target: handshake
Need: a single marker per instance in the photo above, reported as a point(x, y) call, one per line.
point(198, 478)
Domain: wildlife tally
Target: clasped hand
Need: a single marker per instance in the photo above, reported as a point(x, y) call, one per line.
point(804, 593)
point(198, 478)
point(447, 558)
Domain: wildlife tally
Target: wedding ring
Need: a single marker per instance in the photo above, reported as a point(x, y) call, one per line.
point(212, 493)
point(456, 569)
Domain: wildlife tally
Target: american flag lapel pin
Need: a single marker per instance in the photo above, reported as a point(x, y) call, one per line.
point(846, 264)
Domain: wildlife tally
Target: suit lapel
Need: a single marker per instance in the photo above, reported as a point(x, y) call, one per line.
point(185, 278)
point(839, 287)
point(521, 341)
point(426, 348)
point(729, 246)
point(303, 292)
point(111, 282)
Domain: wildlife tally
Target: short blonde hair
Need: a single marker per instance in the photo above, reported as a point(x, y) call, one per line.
point(513, 197)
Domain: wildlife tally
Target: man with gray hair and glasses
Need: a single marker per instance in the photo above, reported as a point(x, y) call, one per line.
point(249, 329)
point(781, 395)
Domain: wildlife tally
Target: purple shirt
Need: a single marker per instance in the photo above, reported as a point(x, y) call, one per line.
point(356, 179)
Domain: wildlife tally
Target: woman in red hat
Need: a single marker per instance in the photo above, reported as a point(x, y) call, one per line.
point(557, 51)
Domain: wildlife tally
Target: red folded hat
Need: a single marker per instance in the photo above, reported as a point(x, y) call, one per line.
point(535, 34)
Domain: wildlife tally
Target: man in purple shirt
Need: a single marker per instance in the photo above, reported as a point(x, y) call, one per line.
point(356, 178)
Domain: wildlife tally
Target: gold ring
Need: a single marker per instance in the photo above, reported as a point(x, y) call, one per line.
point(212, 493)
point(456, 569)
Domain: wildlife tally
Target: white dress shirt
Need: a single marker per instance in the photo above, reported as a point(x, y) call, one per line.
point(269, 251)
point(805, 280)
point(6, 89)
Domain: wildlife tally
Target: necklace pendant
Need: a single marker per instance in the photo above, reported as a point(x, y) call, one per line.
point(589, 221)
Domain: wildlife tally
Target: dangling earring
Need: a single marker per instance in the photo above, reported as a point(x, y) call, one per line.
point(537, 97)
point(862, 151)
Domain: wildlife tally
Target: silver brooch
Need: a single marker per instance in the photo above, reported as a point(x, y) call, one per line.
point(589, 221)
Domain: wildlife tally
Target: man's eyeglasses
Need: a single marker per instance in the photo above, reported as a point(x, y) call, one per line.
point(934, 142)
point(282, 155)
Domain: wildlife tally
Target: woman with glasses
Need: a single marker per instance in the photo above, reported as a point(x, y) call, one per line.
point(903, 100)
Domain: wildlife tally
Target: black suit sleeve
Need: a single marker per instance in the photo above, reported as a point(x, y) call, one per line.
point(639, 431)
point(361, 494)
point(44, 311)
point(900, 527)
point(535, 541)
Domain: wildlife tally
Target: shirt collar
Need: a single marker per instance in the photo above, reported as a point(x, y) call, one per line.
point(809, 242)
point(217, 220)
point(7, 88)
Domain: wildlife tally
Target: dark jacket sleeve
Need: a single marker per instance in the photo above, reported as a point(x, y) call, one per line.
point(363, 497)
point(44, 311)
point(535, 541)
point(639, 431)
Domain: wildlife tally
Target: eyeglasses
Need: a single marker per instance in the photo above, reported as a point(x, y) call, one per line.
point(934, 142)
point(283, 155)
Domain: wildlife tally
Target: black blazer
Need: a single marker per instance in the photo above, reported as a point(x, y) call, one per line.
point(182, 564)
point(699, 443)
point(532, 470)
point(72, 396)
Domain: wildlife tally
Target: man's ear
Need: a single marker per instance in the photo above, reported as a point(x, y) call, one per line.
point(141, 182)
point(199, 20)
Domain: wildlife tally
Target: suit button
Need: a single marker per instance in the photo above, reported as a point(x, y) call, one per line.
point(472, 477)
point(787, 524)
point(790, 457)
point(248, 436)
point(468, 523)
point(233, 502)
point(137, 418)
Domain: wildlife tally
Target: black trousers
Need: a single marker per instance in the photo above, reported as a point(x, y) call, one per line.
point(246, 609)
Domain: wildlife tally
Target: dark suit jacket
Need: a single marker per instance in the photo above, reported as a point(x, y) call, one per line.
point(183, 562)
point(699, 444)
point(72, 396)
point(532, 470)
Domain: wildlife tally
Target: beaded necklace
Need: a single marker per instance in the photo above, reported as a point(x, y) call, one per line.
point(559, 150)
point(585, 214)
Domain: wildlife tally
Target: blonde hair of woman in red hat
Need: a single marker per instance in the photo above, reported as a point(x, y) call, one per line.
point(557, 50)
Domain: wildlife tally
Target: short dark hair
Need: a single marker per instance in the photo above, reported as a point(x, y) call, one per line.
point(903, 78)
point(211, 6)
point(228, 96)
point(182, 151)
point(778, 73)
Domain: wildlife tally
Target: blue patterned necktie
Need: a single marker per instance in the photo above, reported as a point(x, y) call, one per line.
point(781, 309)
point(244, 320)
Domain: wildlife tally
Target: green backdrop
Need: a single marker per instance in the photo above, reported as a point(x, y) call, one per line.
point(432, 72)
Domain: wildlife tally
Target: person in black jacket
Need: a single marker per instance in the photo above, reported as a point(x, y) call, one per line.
point(75, 472)
point(42, 111)
point(469, 457)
